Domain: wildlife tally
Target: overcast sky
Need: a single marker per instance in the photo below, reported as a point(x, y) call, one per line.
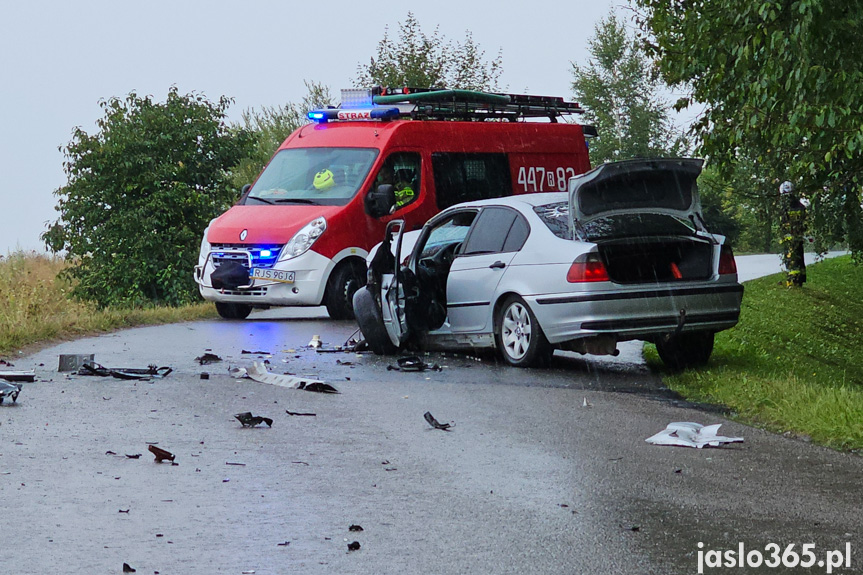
point(58, 59)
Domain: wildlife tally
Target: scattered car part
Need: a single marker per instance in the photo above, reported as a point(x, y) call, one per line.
point(73, 361)
point(435, 423)
point(258, 372)
point(10, 390)
point(18, 375)
point(151, 371)
point(128, 569)
point(413, 363)
point(208, 358)
point(354, 546)
point(249, 420)
point(297, 413)
point(355, 528)
point(688, 434)
point(160, 454)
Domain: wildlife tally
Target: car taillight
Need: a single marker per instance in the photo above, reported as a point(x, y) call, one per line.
point(726, 261)
point(587, 269)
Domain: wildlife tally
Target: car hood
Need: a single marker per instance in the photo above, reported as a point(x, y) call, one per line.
point(264, 224)
point(661, 186)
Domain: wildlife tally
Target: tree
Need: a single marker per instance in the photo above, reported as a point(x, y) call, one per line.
point(620, 92)
point(271, 125)
point(781, 81)
point(139, 194)
point(423, 61)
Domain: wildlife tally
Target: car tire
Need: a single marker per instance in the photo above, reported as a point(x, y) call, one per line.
point(686, 350)
point(367, 310)
point(344, 282)
point(233, 310)
point(519, 337)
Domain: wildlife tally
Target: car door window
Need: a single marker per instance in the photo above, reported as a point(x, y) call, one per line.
point(496, 230)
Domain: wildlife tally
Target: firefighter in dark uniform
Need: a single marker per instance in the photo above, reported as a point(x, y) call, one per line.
point(792, 229)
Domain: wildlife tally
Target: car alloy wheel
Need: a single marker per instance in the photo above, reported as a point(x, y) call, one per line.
point(519, 336)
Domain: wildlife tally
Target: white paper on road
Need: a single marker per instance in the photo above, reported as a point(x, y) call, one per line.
point(258, 372)
point(688, 434)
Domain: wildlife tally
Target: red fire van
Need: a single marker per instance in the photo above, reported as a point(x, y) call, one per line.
point(300, 234)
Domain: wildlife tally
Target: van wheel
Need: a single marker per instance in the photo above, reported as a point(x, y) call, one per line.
point(367, 309)
point(233, 310)
point(344, 282)
point(519, 337)
point(686, 350)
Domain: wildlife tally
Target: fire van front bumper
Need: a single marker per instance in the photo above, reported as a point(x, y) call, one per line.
point(310, 271)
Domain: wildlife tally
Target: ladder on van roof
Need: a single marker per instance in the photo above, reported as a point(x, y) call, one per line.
point(435, 104)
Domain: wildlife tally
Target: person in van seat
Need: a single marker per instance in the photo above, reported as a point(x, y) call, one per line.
point(400, 180)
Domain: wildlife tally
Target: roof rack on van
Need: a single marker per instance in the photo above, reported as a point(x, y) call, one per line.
point(438, 104)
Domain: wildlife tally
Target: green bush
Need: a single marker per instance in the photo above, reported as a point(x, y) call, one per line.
point(140, 193)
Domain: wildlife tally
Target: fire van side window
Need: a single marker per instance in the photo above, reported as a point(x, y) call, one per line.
point(467, 177)
point(402, 171)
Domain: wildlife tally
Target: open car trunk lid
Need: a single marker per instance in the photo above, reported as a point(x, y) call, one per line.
point(644, 216)
point(662, 186)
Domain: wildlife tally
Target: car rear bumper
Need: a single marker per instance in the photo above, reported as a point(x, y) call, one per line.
point(638, 313)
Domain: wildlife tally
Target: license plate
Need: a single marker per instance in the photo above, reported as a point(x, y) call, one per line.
point(272, 275)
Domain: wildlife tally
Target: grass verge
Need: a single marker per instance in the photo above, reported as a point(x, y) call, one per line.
point(34, 307)
point(794, 363)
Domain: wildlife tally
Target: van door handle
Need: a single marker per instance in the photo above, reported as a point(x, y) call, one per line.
point(498, 265)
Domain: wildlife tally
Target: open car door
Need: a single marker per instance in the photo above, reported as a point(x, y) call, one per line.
point(392, 289)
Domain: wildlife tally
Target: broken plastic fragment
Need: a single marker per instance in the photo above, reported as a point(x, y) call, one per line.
point(354, 546)
point(208, 358)
point(413, 363)
point(315, 341)
point(435, 423)
point(258, 372)
point(10, 390)
point(161, 454)
point(688, 434)
point(249, 420)
point(355, 528)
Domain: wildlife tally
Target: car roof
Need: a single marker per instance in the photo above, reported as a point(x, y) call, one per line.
point(519, 201)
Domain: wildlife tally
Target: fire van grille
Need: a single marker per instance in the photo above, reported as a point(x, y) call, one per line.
point(258, 291)
point(263, 256)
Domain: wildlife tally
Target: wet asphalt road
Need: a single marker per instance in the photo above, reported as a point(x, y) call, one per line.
point(529, 480)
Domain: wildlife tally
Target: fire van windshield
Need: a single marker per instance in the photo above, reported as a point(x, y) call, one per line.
point(320, 176)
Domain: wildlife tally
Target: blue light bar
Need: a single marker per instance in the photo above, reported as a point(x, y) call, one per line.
point(266, 253)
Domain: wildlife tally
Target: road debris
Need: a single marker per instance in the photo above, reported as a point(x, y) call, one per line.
point(128, 569)
point(435, 423)
point(139, 373)
point(413, 363)
point(18, 375)
point(688, 434)
point(134, 456)
point(258, 372)
point(586, 403)
point(354, 546)
point(73, 361)
point(315, 342)
point(238, 372)
point(298, 413)
point(285, 544)
point(205, 375)
point(258, 352)
point(208, 358)
point(161, 454)
point(10, 390)
point(355, 528)
point(249, 420)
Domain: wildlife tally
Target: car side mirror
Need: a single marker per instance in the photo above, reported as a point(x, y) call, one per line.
point(245, 189)
point(381, 201)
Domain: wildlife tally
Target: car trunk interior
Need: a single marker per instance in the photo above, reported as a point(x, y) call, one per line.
point(656, 260)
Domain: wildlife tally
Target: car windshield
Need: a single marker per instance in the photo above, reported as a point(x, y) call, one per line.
point(556, 217)
point(319, 176)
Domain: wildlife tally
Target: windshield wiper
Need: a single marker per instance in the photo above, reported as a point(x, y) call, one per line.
point(296, 201)
point(265, 200)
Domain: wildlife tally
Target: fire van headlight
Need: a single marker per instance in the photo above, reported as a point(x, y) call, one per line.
point(303, 239)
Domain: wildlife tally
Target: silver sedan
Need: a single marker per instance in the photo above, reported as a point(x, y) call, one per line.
point(624, 254)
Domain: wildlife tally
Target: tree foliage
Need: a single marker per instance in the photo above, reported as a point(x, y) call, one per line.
point(419, 60)
point(620, 92)
point(271, 125)
point(140, 192)
point(781, 81)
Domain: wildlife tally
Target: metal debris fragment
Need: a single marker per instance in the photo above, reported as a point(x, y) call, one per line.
point(435, 423)
point(249, 420)
point(161, 454)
